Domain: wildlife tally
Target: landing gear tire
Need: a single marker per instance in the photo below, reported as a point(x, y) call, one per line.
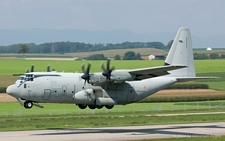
point(28, 104)
point(92, 106)
point(99, 106)
point(109, 106)
point(82, 106)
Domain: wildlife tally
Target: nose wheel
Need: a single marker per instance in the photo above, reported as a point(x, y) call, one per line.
point(28, 104)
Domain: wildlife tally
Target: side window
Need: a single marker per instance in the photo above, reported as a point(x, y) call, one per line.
point(25, 85)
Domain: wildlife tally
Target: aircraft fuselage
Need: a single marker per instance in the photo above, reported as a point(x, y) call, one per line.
point(54, 87)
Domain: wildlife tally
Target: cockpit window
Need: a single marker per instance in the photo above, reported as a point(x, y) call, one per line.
point(21, 78)
point(29, 77)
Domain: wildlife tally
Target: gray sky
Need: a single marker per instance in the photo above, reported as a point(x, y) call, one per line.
point(203, 17)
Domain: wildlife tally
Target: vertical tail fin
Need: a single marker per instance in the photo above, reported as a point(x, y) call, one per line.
point(181, 54)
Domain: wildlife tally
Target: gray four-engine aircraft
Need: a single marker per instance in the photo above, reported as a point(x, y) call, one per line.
point(110, 87)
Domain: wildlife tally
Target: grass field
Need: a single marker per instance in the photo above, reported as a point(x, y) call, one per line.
point(13, 109)
point(19, 66)
point(15, 117)
point(202, 67)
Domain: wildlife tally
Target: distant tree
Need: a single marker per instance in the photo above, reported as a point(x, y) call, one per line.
point(222, 55)
point(66, 47)
point(138, 56)
point(170, 43)
point(96, 57)
point(23, 49)
point(130, 55)
point(200, 56)
point(117, 57)
point(157, 45)
point(214, 56)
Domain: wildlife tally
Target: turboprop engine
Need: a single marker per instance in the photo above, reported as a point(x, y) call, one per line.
point(108, 74)
point(117, 76)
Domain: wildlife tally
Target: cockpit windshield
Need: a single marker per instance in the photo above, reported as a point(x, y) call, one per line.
point(21, 78)
point(28, 77)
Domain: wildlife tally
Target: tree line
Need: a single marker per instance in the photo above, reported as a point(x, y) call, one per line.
point(130, 55)
point(66, 47)
point(203, 56)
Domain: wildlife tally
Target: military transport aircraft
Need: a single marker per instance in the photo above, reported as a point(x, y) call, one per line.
point(110, 87)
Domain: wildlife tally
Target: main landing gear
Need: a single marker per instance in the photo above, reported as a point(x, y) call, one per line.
point(28, 104)
point(84, 106)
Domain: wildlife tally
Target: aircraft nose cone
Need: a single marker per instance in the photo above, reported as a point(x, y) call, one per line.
point(13, 91)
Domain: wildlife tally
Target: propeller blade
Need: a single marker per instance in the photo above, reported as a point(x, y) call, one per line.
point(48, 68)
point(82, 67)
point(88, 68)
point(86, 75)
point(32, 68)
point(102, 66)
point(108, 65)
point(27, 70)
point(107, 71)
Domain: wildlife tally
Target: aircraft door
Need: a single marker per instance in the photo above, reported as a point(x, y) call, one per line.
point(31, 91)
point(47, 93)
point(64, 90)
point(130, 95)
point(28, 91)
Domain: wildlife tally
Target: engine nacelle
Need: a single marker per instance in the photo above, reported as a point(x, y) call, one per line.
point(121, 76)
point(97, 79)
point(117, 76)
point(84, 97)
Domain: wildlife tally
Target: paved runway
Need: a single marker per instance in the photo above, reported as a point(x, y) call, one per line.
point(118, 133)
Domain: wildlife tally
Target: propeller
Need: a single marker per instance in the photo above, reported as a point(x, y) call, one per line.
point(107, 71)
point(86, 76)
point(48, 68)
point(31, 69)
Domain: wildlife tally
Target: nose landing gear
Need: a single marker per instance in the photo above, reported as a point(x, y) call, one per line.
point(28, 104)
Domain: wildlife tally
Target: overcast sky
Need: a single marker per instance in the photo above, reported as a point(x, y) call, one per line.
point(203, 17)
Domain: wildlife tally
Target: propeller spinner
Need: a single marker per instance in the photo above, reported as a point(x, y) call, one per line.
point(107, 71)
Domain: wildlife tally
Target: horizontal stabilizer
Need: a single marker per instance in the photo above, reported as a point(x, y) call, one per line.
point(184, 79)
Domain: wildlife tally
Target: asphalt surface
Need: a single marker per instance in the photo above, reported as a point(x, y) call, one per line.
point(118, 133)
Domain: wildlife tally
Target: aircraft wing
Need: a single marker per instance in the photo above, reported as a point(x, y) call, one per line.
point(145, 73)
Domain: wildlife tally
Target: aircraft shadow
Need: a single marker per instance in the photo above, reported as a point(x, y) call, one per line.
point(167, 131)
